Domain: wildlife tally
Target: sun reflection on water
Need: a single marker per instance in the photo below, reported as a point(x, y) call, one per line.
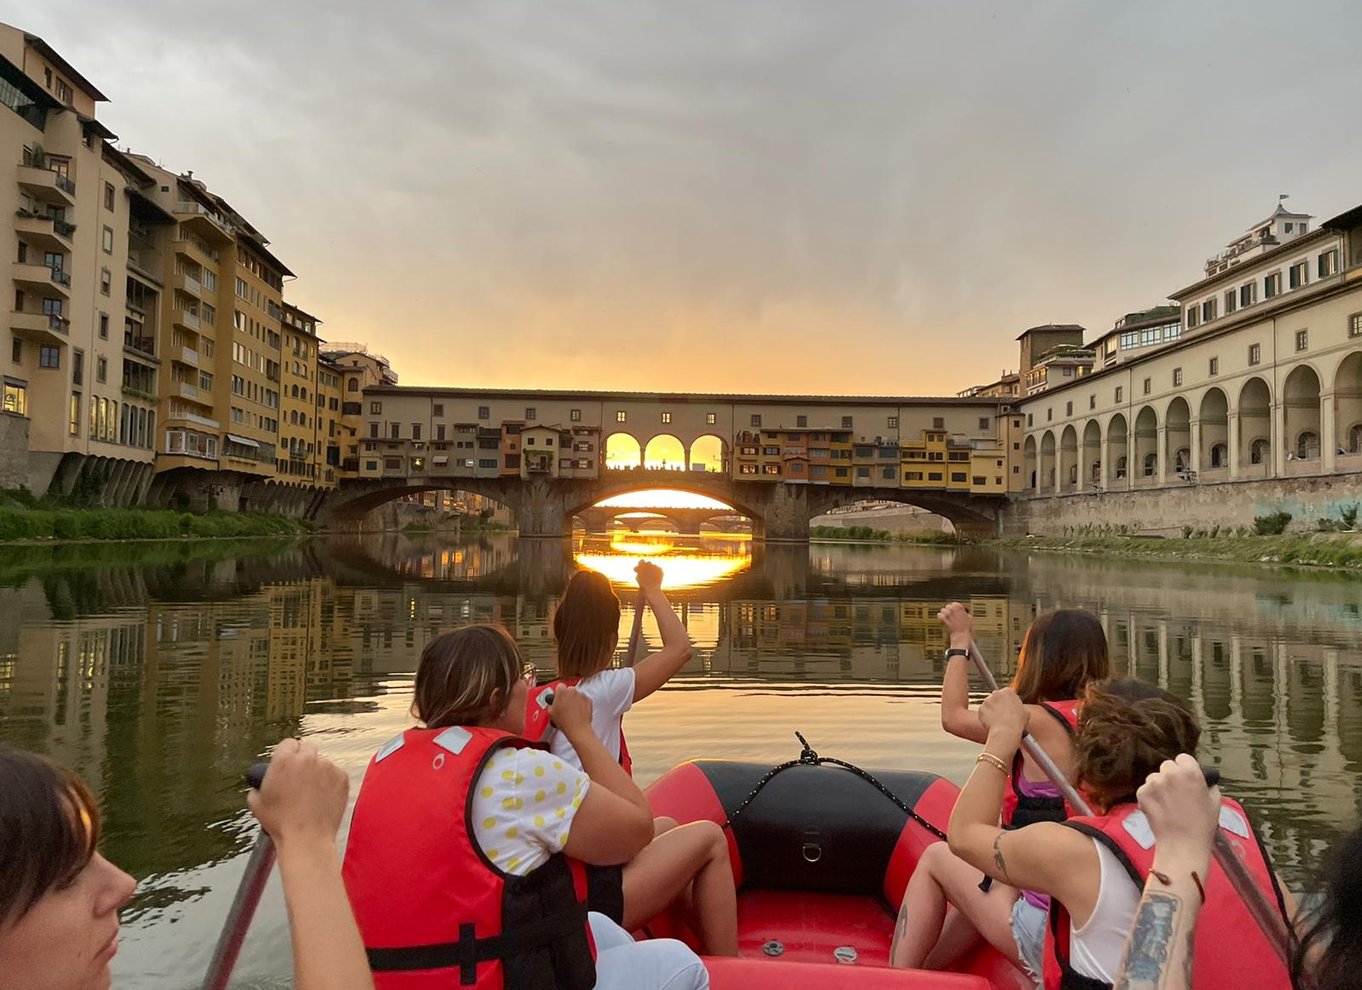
point(685, 563)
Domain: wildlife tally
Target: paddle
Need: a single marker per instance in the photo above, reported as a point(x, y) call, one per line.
point(637, 630)
point(244, 904)
point(1268, 919)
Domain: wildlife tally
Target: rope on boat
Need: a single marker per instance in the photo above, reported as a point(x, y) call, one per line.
point(808, 757)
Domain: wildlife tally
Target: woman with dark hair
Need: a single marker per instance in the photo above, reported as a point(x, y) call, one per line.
point(688, 864)
point(1094, 868)
point(1061, 653)
point(59, 898)
point(467, 850)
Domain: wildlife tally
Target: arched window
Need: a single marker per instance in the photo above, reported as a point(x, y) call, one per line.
point(1073, 474)
point(295, 391)
point(1355, 439)
point(1120, 467)
point(1307, 445)
point(1259, 451)
point(1219, 455)
point(352, 385)
point(1151, 465)
point(1183, 461)
point(1096, 470)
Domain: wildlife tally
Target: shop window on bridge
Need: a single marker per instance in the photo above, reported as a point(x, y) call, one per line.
point(371, 465)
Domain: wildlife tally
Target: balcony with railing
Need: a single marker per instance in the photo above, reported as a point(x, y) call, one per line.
point(49, 328)
point(41, 279)
point(187, 283)
point(47, 185)
point(206, 222)
point(43, 231)
point(187, 319)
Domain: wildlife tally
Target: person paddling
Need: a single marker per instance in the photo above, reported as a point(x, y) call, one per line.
point(466, 859)
point(1094, 867)
point(687, 864)
point(1061, 653)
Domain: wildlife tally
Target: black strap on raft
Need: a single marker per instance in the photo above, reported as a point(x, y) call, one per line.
point(470, 950)
point(809, 758)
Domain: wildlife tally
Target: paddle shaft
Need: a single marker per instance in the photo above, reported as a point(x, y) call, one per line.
point(637, 629)
point(243, 905)
point(1268, 919)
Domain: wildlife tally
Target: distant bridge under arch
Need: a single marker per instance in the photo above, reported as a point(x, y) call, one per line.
point(544, 507)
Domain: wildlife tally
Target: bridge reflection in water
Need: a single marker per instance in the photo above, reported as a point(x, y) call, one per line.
point(160, 681)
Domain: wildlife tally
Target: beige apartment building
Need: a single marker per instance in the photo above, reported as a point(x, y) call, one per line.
point(303, 412)
point(358, 369)
point(65, 414)
point(1262, 380)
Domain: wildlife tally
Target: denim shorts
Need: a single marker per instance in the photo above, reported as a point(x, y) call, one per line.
point(1028, 928)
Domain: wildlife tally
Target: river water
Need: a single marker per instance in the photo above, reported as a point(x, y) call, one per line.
point(160, 674)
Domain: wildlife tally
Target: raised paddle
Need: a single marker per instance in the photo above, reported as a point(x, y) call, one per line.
point(637, 630)
point(244, 904)
point(1268, 919)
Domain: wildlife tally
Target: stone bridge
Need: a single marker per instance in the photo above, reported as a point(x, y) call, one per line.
point(544, 507)
point(597, 519)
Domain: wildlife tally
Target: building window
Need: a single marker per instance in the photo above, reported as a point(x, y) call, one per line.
point(1208, 311)
point(103, 326)
point(437, 410)
point(1030, 419)
point(73, 419)
point(15, 397)
point(621, 416)
point(1302, 340)
point(105, 281)
point(1120, 393)
point(1049, 415)
point(666, 417)
point(1213, 367)
point(1248, 294)
point(375, 409)
point(1069, 408)
point(710, 419)
point(108, 196)
point(846, 422)
point(1231, 302)
point(1193, 317)
point(373, 431)
point(984, 423)
point(484, 412)
point(77, 367)
point(1298, 274)
point(531, 414)
point(1092, 402)
point(893, 423)
point(575, 415)
point(1328, 263)
point(1272, 285)
point(801, 421)
point(49, 357)
point(101, 369)
point(1255, 355)
point(938, 422)
point(1148, 385)
point(756, 419)
point(1177, 378)
point(395, 431)
point(1355, 325)
point(106, 240)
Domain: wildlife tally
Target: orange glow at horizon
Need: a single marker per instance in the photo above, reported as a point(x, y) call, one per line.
point(683, 570)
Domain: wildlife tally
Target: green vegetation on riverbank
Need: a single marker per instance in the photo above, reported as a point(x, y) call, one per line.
point(36, 521)
point(21, 561)
point(868, 534)
point(1343, 550)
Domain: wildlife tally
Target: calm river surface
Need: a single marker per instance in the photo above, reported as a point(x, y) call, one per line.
point(161, 673)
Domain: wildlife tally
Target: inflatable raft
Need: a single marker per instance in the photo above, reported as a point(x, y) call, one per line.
point(821, 855)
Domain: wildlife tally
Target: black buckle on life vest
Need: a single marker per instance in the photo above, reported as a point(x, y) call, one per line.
point(470, 950)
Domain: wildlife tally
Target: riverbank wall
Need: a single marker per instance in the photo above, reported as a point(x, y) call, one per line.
point(1171, 509)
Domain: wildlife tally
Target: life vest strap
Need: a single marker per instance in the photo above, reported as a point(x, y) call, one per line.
point(470, 950)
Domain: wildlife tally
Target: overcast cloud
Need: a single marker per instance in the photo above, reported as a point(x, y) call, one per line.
point(853, 196)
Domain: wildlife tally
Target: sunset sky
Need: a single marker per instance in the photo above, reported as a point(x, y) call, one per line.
point(850, 196)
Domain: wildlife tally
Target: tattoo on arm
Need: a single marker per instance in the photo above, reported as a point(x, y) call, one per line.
point(900, 930)
point(998, 860)
point(1150, 948)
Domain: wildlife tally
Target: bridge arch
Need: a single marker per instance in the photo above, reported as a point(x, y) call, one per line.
point(622, 451)
point(665, 452)
point(709, 453)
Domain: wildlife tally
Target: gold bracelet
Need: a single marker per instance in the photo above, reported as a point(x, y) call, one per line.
point(993, 761)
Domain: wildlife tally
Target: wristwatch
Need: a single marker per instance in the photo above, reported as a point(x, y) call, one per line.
point(955, 651)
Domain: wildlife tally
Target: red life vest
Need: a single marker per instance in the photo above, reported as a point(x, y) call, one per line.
point(1230, 950)
point(1024, 809)
point(432, 909)
point(537, 723)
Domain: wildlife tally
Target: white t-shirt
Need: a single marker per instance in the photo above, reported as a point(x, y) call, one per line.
point(523, 806)
point(612, 694)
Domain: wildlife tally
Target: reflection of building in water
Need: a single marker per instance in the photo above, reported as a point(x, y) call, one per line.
point(464, 562)
point(858, 638)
